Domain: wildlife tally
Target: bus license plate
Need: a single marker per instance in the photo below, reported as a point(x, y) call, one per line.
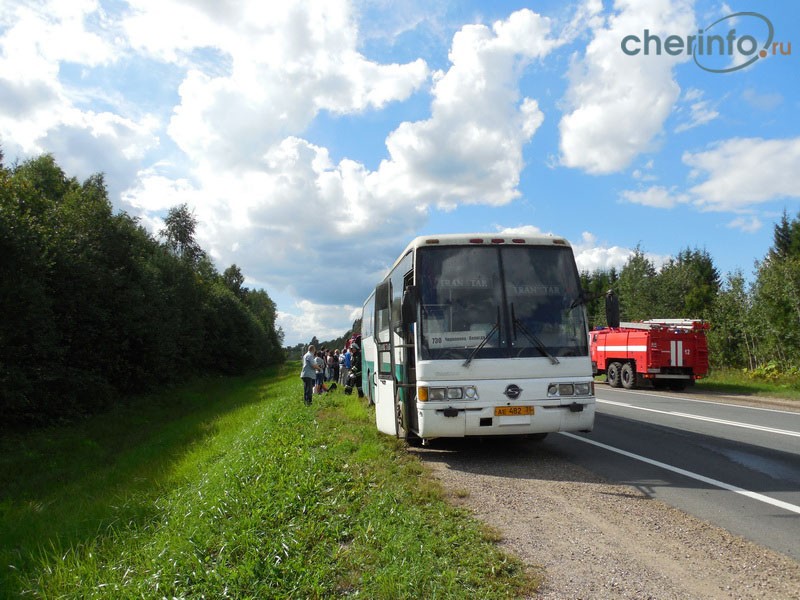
point(509, 411)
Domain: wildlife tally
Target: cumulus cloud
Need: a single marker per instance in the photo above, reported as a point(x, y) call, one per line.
point(320, 320)
point(41, 113)
point(522, 230)
point(286, 63)
point(742, 172)
point(655, 196)
point(470, 150)
point(268, 216)
point(617, 104)
point(592, 256)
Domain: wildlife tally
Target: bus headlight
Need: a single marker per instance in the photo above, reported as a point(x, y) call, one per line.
point(425, 393)
point(555, 390)
point(437, 393)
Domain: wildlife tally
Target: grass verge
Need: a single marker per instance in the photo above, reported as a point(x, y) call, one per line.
point(234, 488)
point(748, 383)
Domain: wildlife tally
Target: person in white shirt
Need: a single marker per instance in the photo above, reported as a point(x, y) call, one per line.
point(309, 374)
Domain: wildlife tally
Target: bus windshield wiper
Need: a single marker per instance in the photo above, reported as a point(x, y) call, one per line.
point(485, 339)
point(539, 344)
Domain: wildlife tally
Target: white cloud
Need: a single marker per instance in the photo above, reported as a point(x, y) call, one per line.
point(743, 172)
point(749, 224)
point(154, 192)
point(655, 196)
point(592, 256)
point(470, 150)
point(271, 214)
point(324, 321)
point(287, 62)
point(39, 111)
point(618, 103)
point(700, 111)
point(531, 230)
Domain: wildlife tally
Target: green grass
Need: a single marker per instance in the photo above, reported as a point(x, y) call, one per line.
point(234, 488)
point(748, 383)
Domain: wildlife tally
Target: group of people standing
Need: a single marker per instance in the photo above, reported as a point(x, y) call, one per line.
point(322, 366)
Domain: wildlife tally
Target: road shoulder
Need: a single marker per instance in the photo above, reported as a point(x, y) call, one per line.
point(598, 540)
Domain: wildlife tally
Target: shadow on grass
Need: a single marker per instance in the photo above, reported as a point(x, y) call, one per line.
point(62, 485)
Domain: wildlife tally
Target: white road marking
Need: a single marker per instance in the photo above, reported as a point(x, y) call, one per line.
point(686, 399)
point(720, 484)
point(700, 418)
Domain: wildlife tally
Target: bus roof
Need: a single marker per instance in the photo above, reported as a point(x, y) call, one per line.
point(488, 239)
point(464, 239)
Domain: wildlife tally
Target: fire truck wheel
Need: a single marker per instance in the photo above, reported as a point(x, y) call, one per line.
point(627, 376)
point(613, 374)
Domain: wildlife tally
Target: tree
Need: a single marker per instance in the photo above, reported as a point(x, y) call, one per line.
point(730, 339)
point(94, 307)
point(594, 286)
point(776, 298)
point(265, 311)
point(179, 231)
point(776, 310)
point(786, 238)
point(636, 287)
point(687, 285)
point(233, 280)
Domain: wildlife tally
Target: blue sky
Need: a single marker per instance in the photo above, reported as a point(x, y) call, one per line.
point(314, 139)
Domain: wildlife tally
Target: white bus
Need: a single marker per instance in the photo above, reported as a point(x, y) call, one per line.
point(479, 335)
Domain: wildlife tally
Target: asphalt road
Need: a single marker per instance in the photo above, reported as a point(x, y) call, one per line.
point(735, 466)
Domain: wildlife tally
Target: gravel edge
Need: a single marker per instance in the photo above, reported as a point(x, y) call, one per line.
point(593, 539)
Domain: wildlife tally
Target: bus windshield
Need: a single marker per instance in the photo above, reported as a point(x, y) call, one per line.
point(499, 302)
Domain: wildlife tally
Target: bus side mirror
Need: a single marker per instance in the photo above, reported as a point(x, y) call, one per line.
point(612, 309)
point(409, 306)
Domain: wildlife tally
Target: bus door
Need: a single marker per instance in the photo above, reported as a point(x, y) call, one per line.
point(385, 387)
point(396, 387)
point(408, 316)
point(402, 349)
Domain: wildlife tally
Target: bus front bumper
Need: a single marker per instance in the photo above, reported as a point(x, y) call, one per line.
point(461, 420)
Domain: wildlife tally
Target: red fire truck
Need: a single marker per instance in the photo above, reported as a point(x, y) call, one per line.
point(667, 352)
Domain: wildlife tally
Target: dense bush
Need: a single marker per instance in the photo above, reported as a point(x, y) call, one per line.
point(92, 306)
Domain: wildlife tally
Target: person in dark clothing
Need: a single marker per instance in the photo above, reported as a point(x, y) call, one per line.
point(354, 379)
